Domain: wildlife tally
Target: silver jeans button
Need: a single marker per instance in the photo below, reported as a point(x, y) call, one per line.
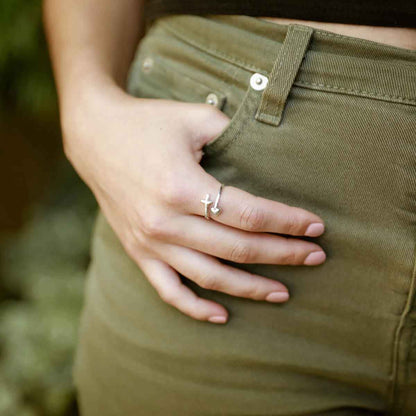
point(212, 99)
point(258, 81)
point(147, 64)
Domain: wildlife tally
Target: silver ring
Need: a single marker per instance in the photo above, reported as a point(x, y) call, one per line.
point(215, 209)
point(206, 202)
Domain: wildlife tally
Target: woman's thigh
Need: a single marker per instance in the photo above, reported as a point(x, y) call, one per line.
point(344, 342)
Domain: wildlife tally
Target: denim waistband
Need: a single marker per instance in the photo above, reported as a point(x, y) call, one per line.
point(332, 62)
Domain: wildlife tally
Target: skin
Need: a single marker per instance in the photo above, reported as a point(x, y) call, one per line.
point(151, 199)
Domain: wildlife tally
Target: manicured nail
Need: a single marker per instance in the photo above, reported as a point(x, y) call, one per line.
point(217, 319)
point(317, 257)
point(314, 229)
point(277, 296)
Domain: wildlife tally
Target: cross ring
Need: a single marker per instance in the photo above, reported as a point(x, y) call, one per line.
point(215, 209)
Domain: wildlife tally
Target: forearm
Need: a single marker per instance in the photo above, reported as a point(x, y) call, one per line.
point(91, 43)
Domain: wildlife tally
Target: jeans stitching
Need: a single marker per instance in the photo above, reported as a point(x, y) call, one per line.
point(250, 67)
point(361, 92)
point(248, 104)
point(365, 41)
point(412, 330)
point(397, 337)
point(213, 51)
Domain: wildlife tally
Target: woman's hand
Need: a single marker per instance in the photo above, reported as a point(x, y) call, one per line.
point(140, 158)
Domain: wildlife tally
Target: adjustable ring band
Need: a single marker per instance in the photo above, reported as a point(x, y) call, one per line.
point(206, 202)
point(215, 210)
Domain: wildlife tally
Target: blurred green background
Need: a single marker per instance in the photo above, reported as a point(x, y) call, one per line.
point(46, 216)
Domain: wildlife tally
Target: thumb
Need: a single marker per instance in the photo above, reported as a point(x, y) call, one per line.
point(208, 124)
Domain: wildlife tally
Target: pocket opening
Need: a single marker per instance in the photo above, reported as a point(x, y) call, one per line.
point(155, 76)
point(234, 128)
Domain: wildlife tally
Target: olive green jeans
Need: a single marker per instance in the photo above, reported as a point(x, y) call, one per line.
point(318, 120)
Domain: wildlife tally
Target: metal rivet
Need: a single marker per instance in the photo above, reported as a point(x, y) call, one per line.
point(147, 64)
point(212, 99)
point(258, 81)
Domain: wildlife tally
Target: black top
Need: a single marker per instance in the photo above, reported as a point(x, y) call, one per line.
point(400, 13)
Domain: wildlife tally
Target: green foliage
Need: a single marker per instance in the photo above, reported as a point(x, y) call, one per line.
point(44, 270)
point(25, 76)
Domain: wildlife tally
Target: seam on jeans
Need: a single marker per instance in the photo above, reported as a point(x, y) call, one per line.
point(288, 74)
point(232, 75)
point(243, 123)
point(231, 59)
point(212, 51)
point(362, 92)
point(263, 112)
point(225, 89)
point(249, 67)
point(407, 371)
point(205, 85)
point(365, 41)
point(323, 33)
point(396, 340)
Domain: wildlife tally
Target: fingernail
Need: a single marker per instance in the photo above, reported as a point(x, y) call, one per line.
point(277, 296)
point(217, 319)
point(314, 229)
point(317, 257)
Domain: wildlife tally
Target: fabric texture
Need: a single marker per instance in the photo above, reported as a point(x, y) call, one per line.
point(345, 149)
point(370, 12)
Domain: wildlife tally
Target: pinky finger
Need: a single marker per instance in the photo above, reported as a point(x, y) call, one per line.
point(170, 288)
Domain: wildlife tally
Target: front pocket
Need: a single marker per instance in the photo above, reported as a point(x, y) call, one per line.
point(153, 75)
point(229, 135)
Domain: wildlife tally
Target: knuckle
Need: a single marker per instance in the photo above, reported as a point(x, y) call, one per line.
point(290, 256)
point(303, 220)
point(171, 195)
point(208, 281)
point(240, 252)
point(251, 218)
point(154, 226)
point(292, 224)
point(256, 290)
point(174, 192)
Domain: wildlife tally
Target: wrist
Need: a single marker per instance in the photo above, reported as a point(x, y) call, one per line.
point(84, 89)
point(91, 96)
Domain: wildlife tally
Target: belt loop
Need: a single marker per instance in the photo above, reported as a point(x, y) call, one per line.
point(283, 74)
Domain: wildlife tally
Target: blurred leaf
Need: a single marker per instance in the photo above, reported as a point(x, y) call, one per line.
point(46, 265)
point(26, 82)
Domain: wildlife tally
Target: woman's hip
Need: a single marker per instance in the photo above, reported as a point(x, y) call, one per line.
point(329, 127)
